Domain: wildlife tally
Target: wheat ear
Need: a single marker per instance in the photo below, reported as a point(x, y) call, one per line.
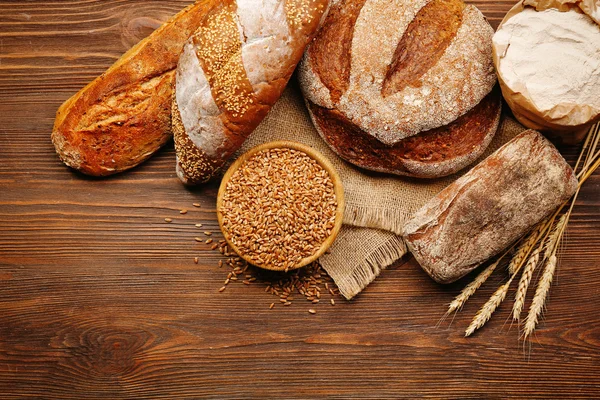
point(524, 282)
point(485, 313)
point(470, 289)
point(523, 251)
point(554, 238)
point(539, 300)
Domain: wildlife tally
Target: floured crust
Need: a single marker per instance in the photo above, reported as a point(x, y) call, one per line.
point(436, 153)
point(490, 207)
point(124, 116)
point(193, 164)
point(464, 71)
point(232, 70)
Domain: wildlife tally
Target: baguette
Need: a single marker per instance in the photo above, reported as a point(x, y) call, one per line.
point(490, 207)
point(124, 116)
point(231, 71)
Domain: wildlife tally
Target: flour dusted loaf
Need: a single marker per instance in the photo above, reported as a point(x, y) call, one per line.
point(123, 117)
point(405, 86)
point(488, 208)
point(232, 70)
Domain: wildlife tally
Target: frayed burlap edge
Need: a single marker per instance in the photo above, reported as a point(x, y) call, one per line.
point(364, 254)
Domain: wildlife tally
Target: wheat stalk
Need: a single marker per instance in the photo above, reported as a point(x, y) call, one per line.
point(524, 282)
point(524, 250)
point(485, 313)
point(554, 238)
point(470, 289)
point(551, 242)
point(592, 140)
point(539, 300)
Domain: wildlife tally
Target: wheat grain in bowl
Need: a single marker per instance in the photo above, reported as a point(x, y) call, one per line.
point(280, 206)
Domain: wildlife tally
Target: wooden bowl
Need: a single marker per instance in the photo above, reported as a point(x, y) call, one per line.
point(323, 162)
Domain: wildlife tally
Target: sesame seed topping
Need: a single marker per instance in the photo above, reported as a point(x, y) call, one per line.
point(219, 50)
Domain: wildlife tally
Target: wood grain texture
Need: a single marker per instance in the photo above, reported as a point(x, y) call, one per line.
point(100, 298)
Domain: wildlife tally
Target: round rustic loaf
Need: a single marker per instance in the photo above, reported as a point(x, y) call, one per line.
point(403, 87)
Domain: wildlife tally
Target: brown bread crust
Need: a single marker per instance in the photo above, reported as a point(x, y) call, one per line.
point(488, 208)
point(435, 153)
point(123, 117)
point(330, 55)
point(423, 44)
point(222, 114)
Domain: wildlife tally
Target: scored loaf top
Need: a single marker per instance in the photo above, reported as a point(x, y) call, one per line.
point(397, 68)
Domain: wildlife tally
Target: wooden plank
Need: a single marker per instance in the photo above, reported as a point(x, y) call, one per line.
point(101, 299)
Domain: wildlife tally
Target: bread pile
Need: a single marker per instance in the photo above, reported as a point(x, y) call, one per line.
point(421, 105)
point(228, 62)
point(548, 59)
point(403, 87)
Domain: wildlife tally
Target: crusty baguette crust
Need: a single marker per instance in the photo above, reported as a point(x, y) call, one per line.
point(231, 72)
point(124, 116)
point(490, 207)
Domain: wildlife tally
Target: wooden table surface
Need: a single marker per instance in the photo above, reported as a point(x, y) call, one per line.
point(100, 298)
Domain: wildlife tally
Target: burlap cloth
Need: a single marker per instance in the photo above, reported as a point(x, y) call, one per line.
point(377, 205)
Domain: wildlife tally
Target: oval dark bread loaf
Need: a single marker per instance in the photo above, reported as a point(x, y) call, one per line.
point(232, 70)
point(403, 87)
point(124, 116)
point(490, 207)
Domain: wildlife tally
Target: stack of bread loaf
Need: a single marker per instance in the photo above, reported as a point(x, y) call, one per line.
point(405, 87)
point(421, 105)
point(219, 65)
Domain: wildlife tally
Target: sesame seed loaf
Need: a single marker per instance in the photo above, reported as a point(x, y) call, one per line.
point(399, 70)
point(232, 70)
point(490, 207)
point(124, 116)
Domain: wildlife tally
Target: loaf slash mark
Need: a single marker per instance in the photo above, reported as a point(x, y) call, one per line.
point(423, 44)
point(331, 53)
point(120, 106)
